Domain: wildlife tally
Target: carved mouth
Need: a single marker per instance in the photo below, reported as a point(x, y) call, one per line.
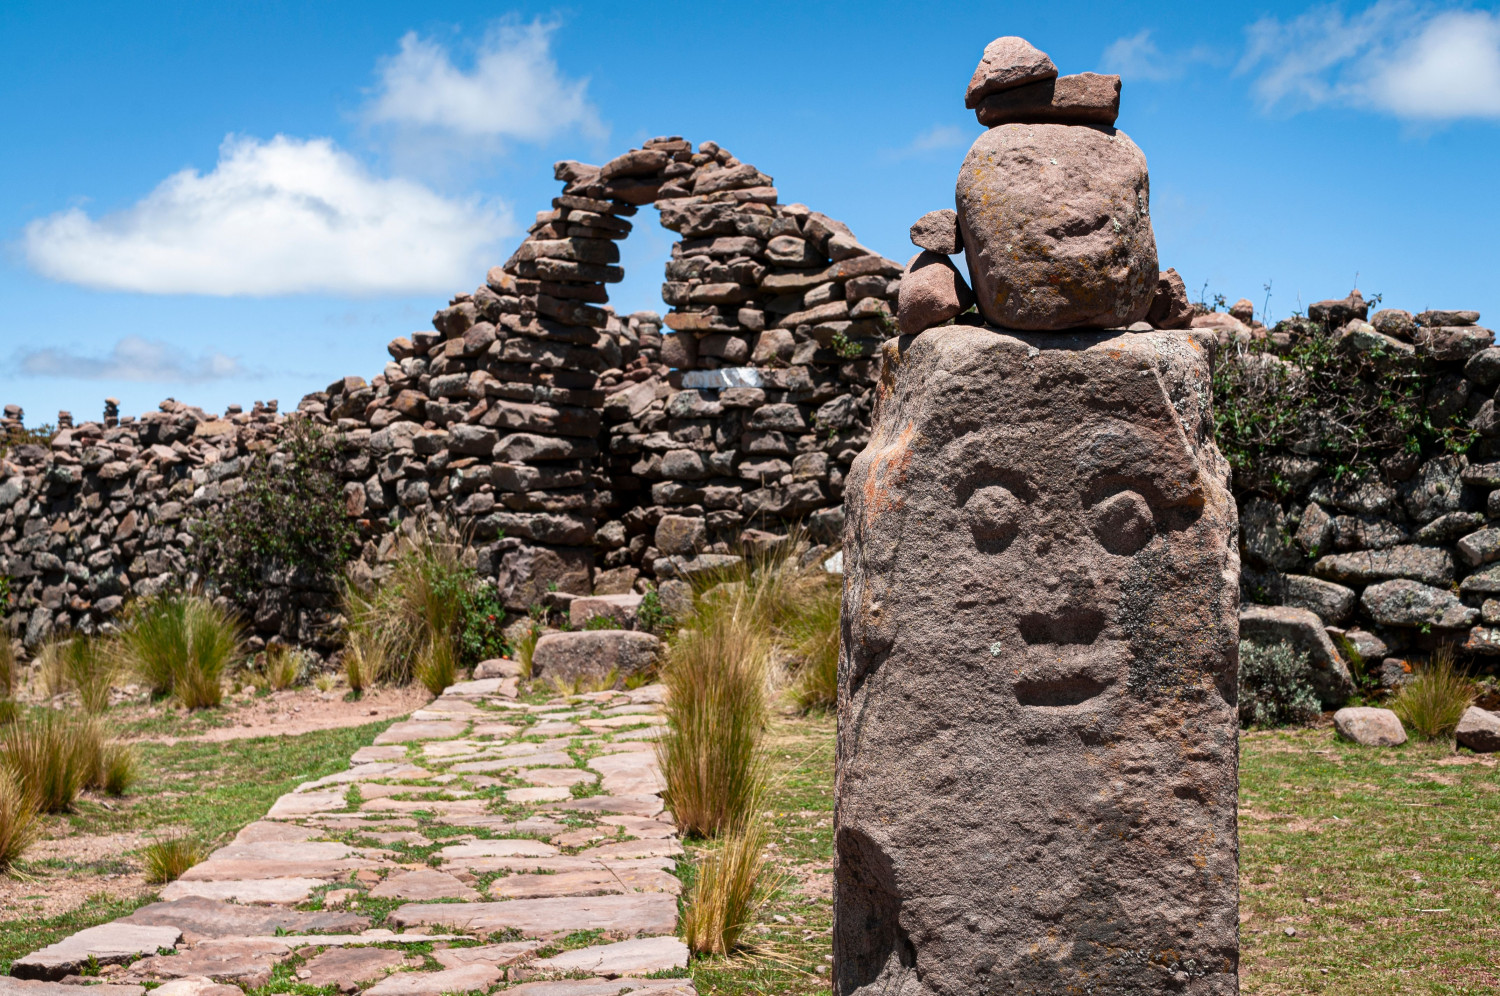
point(1053, 692)
point(1068, 625)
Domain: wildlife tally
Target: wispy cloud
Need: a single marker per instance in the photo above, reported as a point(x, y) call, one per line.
point(285, 216)
point(514, 89)
point(1138, 57)
point(934, 139)
point(1411, 62)
point(132, 359)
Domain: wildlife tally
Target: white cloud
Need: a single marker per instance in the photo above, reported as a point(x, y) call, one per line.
point(132, 359)
point(934, 139)
point(1137, 57)
point(514, 89)
point(1393, 57)
point(280, 217)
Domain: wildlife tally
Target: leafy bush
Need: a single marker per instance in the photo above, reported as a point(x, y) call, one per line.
point(429, 599)
point(18, 823)
point(166, 860)
point(730, 885)
point(652, 617)
point(1322, 396)
point(289, 516)
point(182, 644)
point(1435, 699)
point(601, 622)
point(1276, 686)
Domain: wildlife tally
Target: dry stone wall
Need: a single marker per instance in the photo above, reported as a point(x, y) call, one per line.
point(581, 450)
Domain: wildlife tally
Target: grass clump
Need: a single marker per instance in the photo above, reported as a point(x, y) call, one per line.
point(812, 637)
point(716, 674)
point(429, 615)
point(1434, 700)
point(81, 664)
point(284, 667)
point(1276, 686)
point(730, 885)
point(10, 670)
point(182, 644)
point(18, 819)
point(167, 859)
point(54, 757)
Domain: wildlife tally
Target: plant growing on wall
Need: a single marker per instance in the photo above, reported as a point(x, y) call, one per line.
point(288, 517)
point(1322, 397)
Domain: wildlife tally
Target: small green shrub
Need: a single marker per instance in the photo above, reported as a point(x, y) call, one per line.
point(18, 819)
point(1276, 686)
point(289, 516)
point(652, 617)
point(601, 622)
point(167, 860)
point(1435, 699)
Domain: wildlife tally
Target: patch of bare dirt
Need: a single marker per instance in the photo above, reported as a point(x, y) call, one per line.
point(59, 874)
point(304, 710)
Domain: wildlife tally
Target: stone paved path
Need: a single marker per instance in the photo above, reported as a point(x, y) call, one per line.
point(516, 843)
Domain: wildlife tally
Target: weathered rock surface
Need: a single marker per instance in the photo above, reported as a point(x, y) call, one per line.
point(238, 960)
point(424, 884)
point(450, 980)
point(593, 654)
point(1170, 307)
point(1038, 550)
point(1479, 730)
point(347, 968)
point(632, 915)
point(1407, 603)
point(938, 232)
point(932, 292)
point(641, 955)
point(1056, 227)
point(1370, 727)
point(1007, 62)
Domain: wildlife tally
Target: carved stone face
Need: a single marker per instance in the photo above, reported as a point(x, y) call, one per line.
point(1040, 636)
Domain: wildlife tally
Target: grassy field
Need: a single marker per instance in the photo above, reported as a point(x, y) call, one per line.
point(208, 790)
point(1385, 864)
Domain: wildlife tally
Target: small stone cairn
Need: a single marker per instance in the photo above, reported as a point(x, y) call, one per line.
point(1039, 555)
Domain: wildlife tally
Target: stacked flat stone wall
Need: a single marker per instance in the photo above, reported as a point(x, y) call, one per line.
point(1398, 560)
point(578, 449)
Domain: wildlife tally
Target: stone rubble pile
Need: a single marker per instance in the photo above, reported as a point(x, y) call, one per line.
point(500, 827)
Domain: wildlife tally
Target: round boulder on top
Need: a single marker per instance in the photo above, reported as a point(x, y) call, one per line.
point(1007, 62)
point(1056, 227)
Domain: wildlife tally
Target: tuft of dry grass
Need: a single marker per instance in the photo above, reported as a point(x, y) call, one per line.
point(356, 668)
point(731, 884)
point(166, 860)
point(1435, 699)
point(284, 667)
point(437, 665)
point(183, 644)
point(18, 819)
point(52, 757)
point(85, 665)
point(118, 769)
point(412, 620)
point(716, 676)
point(811, 636)
point(10, 671)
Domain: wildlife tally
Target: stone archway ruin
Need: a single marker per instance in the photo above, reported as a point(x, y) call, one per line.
point(611, 444)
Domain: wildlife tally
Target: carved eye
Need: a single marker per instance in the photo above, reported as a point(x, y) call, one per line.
point(994, 517)
point(1123, 523)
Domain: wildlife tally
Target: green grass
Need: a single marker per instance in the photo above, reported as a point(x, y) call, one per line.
point(1417, 810)
point(206, 790)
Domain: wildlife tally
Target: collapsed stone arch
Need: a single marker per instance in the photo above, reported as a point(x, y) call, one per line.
point(581, 441)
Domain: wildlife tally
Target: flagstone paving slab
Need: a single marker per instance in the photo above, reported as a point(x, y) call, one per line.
point(503, 774)
point(285, 891)
point(35, 987)
point(107, 944)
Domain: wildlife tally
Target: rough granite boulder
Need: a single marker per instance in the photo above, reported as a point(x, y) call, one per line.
point(1039, 551)
point(1056, 227)
point(932, 292)
point(938, 231)
point(593, 654)
point(1408, 603)
point(1088, 98)
point(1370, 727)
point(1007, 62)
point(1305, 631)
point(1479, 730)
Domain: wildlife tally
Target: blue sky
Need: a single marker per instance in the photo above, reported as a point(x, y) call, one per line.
point(229, 202)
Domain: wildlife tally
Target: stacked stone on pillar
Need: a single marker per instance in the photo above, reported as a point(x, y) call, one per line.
point(1036, 771)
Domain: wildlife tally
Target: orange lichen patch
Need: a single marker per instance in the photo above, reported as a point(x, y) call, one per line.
point(888, 469)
